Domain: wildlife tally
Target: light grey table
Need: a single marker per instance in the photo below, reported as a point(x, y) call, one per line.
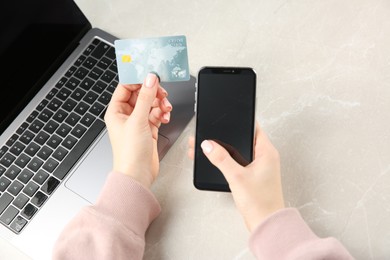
point(323, 98)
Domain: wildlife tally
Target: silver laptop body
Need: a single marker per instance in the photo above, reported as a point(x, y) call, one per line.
point(53, 194)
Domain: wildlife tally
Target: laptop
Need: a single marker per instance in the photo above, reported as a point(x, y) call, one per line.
point(57, 76)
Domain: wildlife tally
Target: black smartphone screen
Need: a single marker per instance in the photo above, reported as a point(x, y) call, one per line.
point(225, 113)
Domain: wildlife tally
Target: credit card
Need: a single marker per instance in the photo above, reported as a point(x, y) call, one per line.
point(166, 56)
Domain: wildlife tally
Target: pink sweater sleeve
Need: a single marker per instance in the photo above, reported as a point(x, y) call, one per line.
point(285, 235)
point(113, 228)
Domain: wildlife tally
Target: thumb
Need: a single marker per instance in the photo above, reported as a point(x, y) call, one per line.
point(220, 158)
point(146, 96)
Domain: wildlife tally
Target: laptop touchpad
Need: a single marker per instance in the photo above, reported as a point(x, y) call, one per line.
point(89, 177)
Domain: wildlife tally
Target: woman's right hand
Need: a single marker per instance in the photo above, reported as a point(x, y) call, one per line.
point(256, 188)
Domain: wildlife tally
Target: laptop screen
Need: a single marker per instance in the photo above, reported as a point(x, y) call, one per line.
point(36, 37)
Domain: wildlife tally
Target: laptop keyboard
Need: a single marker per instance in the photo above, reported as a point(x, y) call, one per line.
point(37, 158)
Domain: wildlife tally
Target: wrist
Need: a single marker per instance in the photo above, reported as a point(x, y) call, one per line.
point(143, 177)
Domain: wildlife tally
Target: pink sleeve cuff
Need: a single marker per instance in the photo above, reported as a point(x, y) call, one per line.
point(285, 235)
point(129, 202)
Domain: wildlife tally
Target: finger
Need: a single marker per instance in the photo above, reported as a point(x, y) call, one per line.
point(191, 153)
point(161, 93)
point(220, 158)
point(191, 142)
point(262, 143)
point(164, 104)
point(146, 96)
point(120, 97)
point(156, 117)
point(191, 146)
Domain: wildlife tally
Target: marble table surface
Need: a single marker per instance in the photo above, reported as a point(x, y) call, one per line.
point(323, 72)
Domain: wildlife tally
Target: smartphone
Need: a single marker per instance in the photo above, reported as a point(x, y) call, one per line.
point(225, 112)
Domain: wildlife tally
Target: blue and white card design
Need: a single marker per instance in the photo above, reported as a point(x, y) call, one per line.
point(167, 56)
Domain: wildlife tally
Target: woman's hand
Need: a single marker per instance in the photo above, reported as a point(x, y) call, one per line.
point(256, 188)
point(133, 118)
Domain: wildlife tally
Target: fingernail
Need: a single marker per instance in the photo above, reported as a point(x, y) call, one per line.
point(167, 116)
point(155, 73)
point(207, 146)
point(150, 80)
point(167, 103)
point(164, 91)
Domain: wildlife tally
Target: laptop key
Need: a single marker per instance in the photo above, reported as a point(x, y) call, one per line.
point(87, 119)
point(40, 177)
point(36, 126)
point(72, 83)
point(38, 199)
point(32, 149)
point(90, 97)
point(104, 63)
point(87, 84)
point(3, 150)
point(51, 94)
point(32, 116)
point(96, 108)
point(45, 115)
point(27, 137)
point(35, 164)
point(18, 224)
point(29, 211)
point(12, 172)
point(5, 200)
point(17, 148)
point(41, 137)
point(60, 116)
point(111, 53)
point(15, 187)
point(61, 82)
point(9, 215)
point(78, 94)
point(44, 153)
point(63, 94)
point(108, 76)
point(30, 189)
point(50, 185)
point(81, 73)
point(21, 128)
point(78, 130)
point(69, 142)
point(72, 119)
point(54, 104)
point(80, 60)
point(89, 62)
point(69, 105)
point(89, 49)
point(60, 154)
point(12, 140)
point(105, 98)
point(95, 73)
point(50, 165)
point(22, 160)
point(63, 130)
point(70, 71)
point(25, 176)
point(100, 50)
point(7, 159)
point(42, 105)
point(2, 170)
point(4, 183)
point(20, 201)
